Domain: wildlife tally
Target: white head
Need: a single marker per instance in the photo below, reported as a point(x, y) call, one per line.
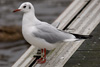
point(25, 7)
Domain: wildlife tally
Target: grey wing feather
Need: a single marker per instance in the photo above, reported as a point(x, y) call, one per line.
point(50, 33)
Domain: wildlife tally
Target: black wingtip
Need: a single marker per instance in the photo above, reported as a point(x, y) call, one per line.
point(86, 36)
point(90, 36)
point(83, 36)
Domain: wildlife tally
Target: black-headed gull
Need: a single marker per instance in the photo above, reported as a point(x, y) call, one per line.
point(42, 34)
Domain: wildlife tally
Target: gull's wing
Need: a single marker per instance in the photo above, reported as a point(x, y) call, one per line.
point(50, 33)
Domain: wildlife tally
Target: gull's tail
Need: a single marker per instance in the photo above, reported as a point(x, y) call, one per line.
point(78, 36)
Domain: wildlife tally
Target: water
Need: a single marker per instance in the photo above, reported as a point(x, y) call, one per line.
point(46, 10)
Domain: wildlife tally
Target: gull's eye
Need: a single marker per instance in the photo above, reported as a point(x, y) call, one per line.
point(24, 6)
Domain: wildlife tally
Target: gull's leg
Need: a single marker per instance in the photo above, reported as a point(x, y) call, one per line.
point(44, 52)
point(43, 56)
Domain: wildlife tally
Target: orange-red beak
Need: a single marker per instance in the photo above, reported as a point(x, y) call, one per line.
point(16, 10)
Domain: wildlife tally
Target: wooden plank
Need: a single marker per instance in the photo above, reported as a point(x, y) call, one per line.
point(69, 13)
point(24, 60)
point(87, 16)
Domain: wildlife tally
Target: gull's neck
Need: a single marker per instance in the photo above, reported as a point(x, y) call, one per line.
point(29, 19)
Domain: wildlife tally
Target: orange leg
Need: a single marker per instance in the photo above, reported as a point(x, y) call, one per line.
point(44, 52)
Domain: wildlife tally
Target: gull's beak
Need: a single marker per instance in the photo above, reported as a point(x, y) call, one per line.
point(17, 10)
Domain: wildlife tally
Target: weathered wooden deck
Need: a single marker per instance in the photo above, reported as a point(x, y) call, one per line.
point(81, 17)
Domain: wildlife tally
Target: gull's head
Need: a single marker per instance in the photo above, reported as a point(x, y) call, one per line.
point(25, 7)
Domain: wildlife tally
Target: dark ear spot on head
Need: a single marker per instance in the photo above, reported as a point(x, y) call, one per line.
point(29, 7)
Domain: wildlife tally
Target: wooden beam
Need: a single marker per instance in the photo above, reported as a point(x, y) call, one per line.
point(69, 13)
